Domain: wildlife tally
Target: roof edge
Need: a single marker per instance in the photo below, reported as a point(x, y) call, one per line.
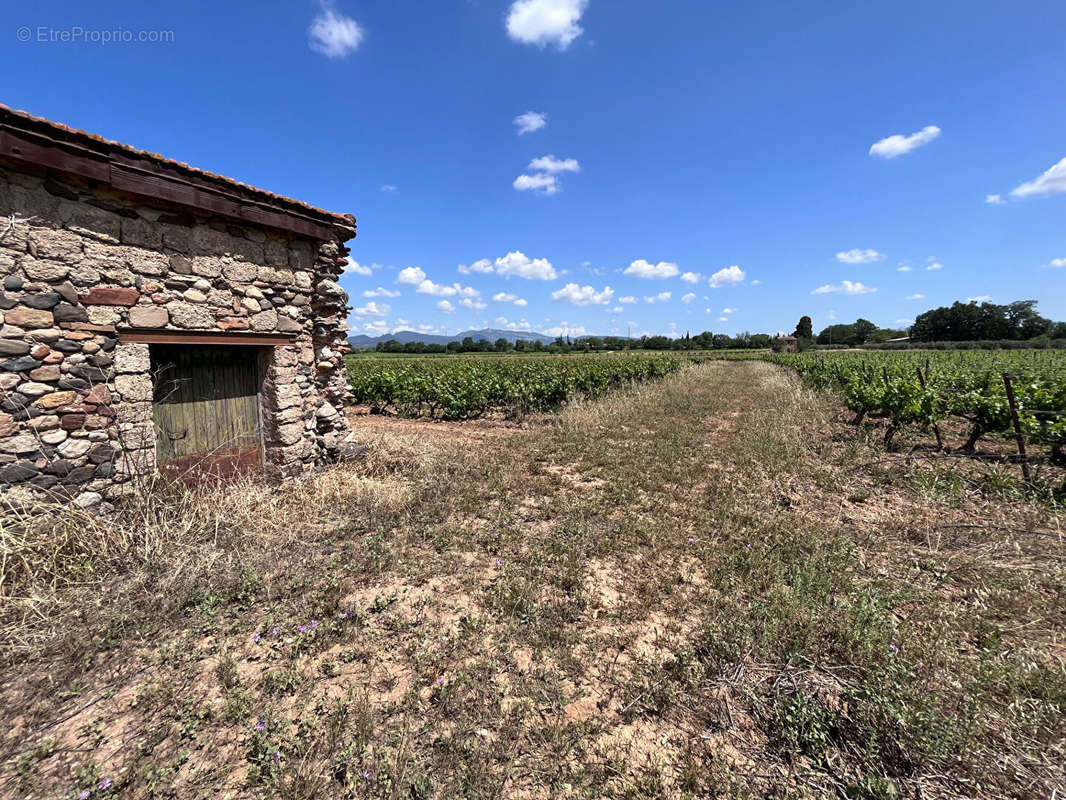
point(149, 174)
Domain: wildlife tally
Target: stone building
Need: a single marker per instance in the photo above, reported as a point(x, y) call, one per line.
point(157, 316)
point(785, 344)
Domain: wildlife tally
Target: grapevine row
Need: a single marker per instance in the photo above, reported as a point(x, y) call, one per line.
point(915, 389)
point(468, 387)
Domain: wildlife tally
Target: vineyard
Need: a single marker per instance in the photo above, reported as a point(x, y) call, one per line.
point(920, 390)
point(466, 387)
point(911, 390)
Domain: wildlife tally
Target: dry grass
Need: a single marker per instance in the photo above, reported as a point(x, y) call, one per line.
point(698, 588)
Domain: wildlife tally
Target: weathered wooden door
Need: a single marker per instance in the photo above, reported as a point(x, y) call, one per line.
point(206, 410)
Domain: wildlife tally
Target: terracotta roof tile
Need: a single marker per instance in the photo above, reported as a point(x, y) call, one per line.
point(93, 141)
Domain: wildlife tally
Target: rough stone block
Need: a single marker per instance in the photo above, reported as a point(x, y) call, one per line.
point(13, 347)
point(132, 357)
point(149, 317)
point(240, 272)
point(65, 312)
point(103, 296)
point(134, 388)
point(265, 321)
point(29, 318)
point(55, 399)
point(188, 315)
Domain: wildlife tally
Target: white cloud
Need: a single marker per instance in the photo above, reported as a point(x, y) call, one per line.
point(905, 321)
point(1057, 263)
point(845, 287)
point(521, 266)
point(916, 297)
point(521, 325)
point(373, 309)
point(530, 121)
point(483, 265)
point(554, 165)
point(1051, 182)
point(898, 145)
point(355, 268)
point(756, 283)
point(545, 169)
point(936, 266)
point(443, 290)
point(661, 297)
point(692, 277)
point(859, 256)
point(727, 277)
point(472, 303)
point(544, 22)
point(380, 292)
point(377, 327)
point(333, 34)
point(723, 319)
point(981, 298)
point(540, 183)
point(644, 269)
point(583, 295)
point(507, 297)
point(729, 310)
point(565, 329)
point(615, 310)
point(411, 276)
point(388, 187)
point(688, 298)
point(904, 268)
point(627, 299)
point(445, 306)
point(994, 199)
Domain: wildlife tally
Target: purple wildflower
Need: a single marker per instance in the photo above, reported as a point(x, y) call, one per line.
point(302, 629)
point(260, 726)
point(314, 624)
point(690, 540)
point(277, 755)
point(499, 562)
point(893, 648)
point(84, 795)
point(104, 785)
point(366, 775)
point(255, 638)
point(344, 615)
point(276, 630)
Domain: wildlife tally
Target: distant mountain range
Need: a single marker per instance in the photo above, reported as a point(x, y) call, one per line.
point(492, 334)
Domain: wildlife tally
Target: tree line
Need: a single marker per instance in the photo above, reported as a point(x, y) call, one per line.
point(960, 322)
point(587, 344)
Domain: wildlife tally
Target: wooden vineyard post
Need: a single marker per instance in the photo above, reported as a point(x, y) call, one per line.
point(1017, 426)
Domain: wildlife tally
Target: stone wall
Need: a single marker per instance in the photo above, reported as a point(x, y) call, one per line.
point(80, 263)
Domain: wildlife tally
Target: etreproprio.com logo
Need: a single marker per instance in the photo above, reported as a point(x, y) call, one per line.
point(76, 34)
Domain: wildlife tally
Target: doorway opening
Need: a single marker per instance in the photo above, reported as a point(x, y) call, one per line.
point(206, 411)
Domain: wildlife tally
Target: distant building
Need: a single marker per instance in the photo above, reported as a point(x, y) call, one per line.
point(786, 344)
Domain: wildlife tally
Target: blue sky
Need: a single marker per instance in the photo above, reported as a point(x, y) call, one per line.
point(687, 165)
